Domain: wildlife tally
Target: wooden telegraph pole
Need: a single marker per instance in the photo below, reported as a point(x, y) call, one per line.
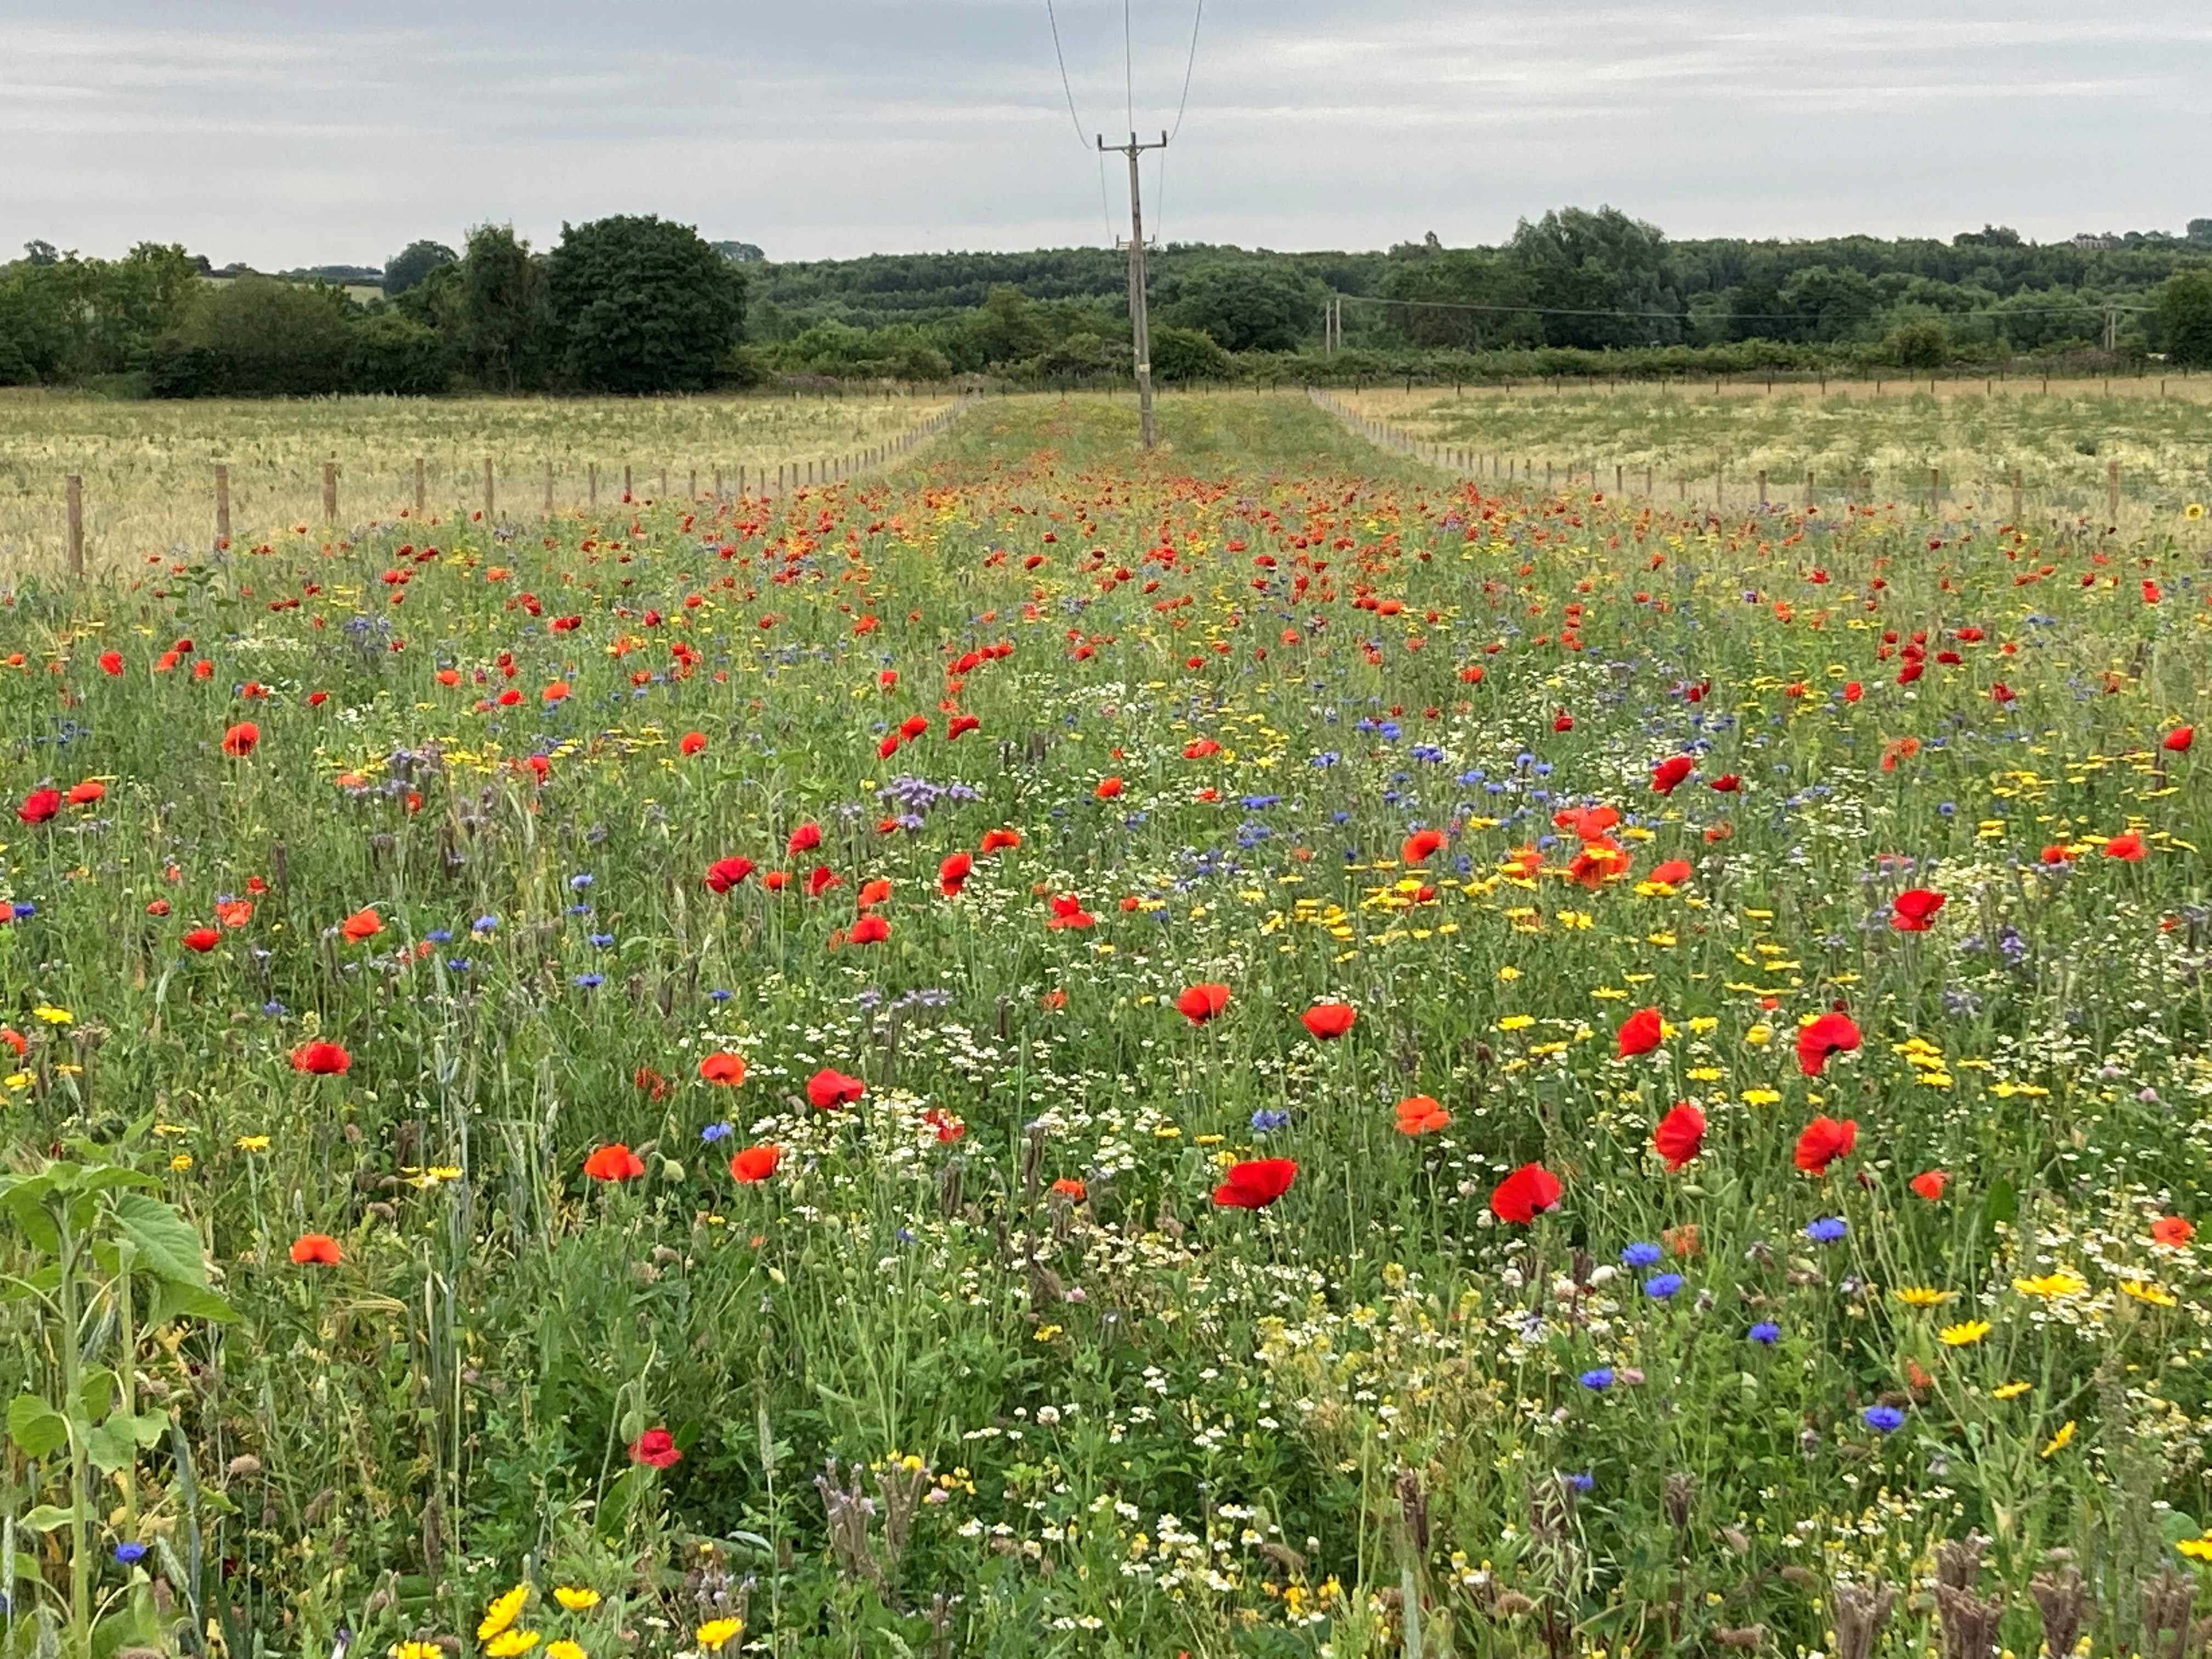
point(1140, 329)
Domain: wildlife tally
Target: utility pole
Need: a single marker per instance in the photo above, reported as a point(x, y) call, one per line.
point(1141, 328)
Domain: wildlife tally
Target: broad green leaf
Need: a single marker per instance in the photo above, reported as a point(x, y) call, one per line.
point(168, 1245)
point(96, 1391)
point(25, 1204)
point(175, 1301)
point(109, 1176)
point(37, 1429)
point(110, 1447)
point(46, 1517)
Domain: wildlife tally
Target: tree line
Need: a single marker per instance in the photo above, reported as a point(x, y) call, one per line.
point(640, 305)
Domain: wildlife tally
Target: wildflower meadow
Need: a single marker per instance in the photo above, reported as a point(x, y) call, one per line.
point(1258, 1050)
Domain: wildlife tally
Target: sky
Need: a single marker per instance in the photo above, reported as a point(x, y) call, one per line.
point(287, 135)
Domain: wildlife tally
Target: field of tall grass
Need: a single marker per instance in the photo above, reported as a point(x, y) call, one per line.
point(2060, 437)
point(148, 468)
point(1257, 1050)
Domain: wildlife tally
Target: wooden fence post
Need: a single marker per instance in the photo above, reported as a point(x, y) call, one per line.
point(73, 486)
point(2016, 508)
point(663, 484)
point(222, 506)
point(421, 494)
point(2112, 492)
point(1811, 501)
point(1935, 492)
point(694, 491)
point(330, 492)
point(548, 489)
point(594, 472)
point(488, 495)
point(629, 493)
point(1762, 471)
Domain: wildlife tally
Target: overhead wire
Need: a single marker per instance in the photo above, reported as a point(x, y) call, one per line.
point(1190, 65)
point(1105, 209)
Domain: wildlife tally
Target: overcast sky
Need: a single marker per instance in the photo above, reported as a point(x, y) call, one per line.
point(290, 135)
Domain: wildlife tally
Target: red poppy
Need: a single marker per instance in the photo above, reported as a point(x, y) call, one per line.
point(871, 930)
point(1420, 845)
point(39, 805)
point(725, 1068)
point(1200, 748)
point(321, 1059)
point(1070, 1188)
point(1930, 1184)
point(201, 939)
point(16, 1039)
point(240, 739)
point(1913, 908)
point(952, 874)
point(1679, 1135)
point(755, 1164)
point(874, 892)
point(2172, 1231)
point(1670, 772)
point(723, 874)
point(362, 924)
point(821, 880)
point(692, 741)
point(1329, 1020)
point(1202, 1002)
point(655, 1449)
point(1641, 1032)
point(1728, 783)
point(998, 840)
point(1420, 1115)
point(1526, 1194)
point(828, 1089)
point(1108, 788)
point(2129, 846)
point(615, 1163)
point(316, 1250)
point(2177, 741)
point(1830, 1034)
point(1067, 911)
point(960, 725)
point(1824, 1141)
point(1673, 873)
point(85, 793)
point(805, 838)
point(110, 662)
point(1255, 1184)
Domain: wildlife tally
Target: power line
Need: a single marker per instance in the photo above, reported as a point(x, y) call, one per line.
point(1105, 210)
point(1189, 63)
point(1128, 67)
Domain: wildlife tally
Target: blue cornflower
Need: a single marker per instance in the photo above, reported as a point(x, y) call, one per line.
point(457, 965)
point(127, 1553)
point(1597, 1380)
point(483, 923)
point(1639, 1255)
point(1664, 1286)
point(440, 935)
point(1883, 1419)
point(24, 909)
point(1827, 1230)
point(600, 941)
point(715, 1132)
point(1266, 1119)
point(1580, 1482)
point(580, 883)
point(274, 1009)
point(1766, 1332)
point(590, 981)
point(719, 995)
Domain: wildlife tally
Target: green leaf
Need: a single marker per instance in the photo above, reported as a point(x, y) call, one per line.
point(46, 1517)
point(25, 1203)
point(116, 1175)
point(116, 1441)
point(96, 1392)
point(37, 1429)
point(174, 1301)
point(168, 1245)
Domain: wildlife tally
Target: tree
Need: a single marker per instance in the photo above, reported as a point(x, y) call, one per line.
point(1823, 302)
point(1246, 305)
point(644, 305)
point(393, 353)
point(1604, 278)
point(1004, 329)
point(502, 309)
point(2184, 318)
point(256, 337)
point(1187, 354)
point(1919, 343)
point(407, 267)
point(1463, 298)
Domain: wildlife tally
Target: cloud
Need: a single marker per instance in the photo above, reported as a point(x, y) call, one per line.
point(846, 126)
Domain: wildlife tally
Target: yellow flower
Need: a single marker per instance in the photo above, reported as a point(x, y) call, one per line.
point(2197, 1549)
point(715, 1631)
point(2150, 1293)
point(253, 1143)
point(417, 1650)
point(563, 1648)
point(1964, 1334)
point(2011, 1390)
point(2194, 510)
point(2058, 1440)
point(18, 1079)
point(576, 1601)
point(1759, 1097)
point(1508, 973)
point(1920, 1296)
point(2065, 1282)
point(503, 1611)
point(53, 1015)
point(1758, 1035)
point(509, 1642)
point(1517, 1022)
